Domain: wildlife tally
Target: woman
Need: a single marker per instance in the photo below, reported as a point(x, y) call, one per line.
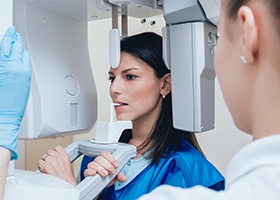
point(140, 88)
point(247, 64)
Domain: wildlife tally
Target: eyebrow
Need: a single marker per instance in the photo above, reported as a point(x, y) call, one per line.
point(124, 71)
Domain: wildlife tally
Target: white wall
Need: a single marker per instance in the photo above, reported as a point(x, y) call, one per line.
point(6, 12)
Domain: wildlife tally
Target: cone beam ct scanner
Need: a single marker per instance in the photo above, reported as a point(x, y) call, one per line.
point(55, 34)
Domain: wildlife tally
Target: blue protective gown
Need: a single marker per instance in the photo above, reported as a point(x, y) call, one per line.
point(184, 168)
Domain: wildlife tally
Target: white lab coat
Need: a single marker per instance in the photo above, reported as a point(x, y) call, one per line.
point(252, 174)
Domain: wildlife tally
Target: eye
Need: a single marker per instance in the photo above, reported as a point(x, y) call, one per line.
point(111, 79)
point(130, 77)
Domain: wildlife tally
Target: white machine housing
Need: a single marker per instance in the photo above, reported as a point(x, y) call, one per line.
point(189, 45)
point(63, 97)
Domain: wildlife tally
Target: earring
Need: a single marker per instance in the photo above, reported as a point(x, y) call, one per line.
point(163, 96)
point(244, 60)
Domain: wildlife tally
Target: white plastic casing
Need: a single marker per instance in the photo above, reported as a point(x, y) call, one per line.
point(63, 98)
point(114, 48)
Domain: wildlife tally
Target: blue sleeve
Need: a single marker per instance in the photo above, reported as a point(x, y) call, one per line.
point(186, 174)
point(176, 177)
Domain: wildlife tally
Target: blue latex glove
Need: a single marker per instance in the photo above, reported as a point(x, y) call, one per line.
point(15, 76)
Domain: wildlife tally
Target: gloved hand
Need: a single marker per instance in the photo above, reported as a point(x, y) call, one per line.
point(15, 76)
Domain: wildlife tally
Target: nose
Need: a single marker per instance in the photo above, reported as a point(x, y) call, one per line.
point(115, 87)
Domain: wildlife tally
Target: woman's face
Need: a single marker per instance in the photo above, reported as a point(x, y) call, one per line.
point(135, 90)
point(230, 70)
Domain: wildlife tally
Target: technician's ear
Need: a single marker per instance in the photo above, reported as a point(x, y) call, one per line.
point(166, 86)
point(249, 36)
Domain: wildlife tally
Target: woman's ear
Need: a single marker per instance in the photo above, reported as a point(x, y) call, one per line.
point(249, 33)
point(166, 86)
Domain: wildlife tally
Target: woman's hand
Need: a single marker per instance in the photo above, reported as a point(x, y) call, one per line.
point(104, 165)
point(56, 162)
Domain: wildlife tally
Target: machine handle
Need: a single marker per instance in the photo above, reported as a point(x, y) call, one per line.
point(91, 186)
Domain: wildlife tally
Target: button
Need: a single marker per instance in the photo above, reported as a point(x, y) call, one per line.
point(71, 85)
